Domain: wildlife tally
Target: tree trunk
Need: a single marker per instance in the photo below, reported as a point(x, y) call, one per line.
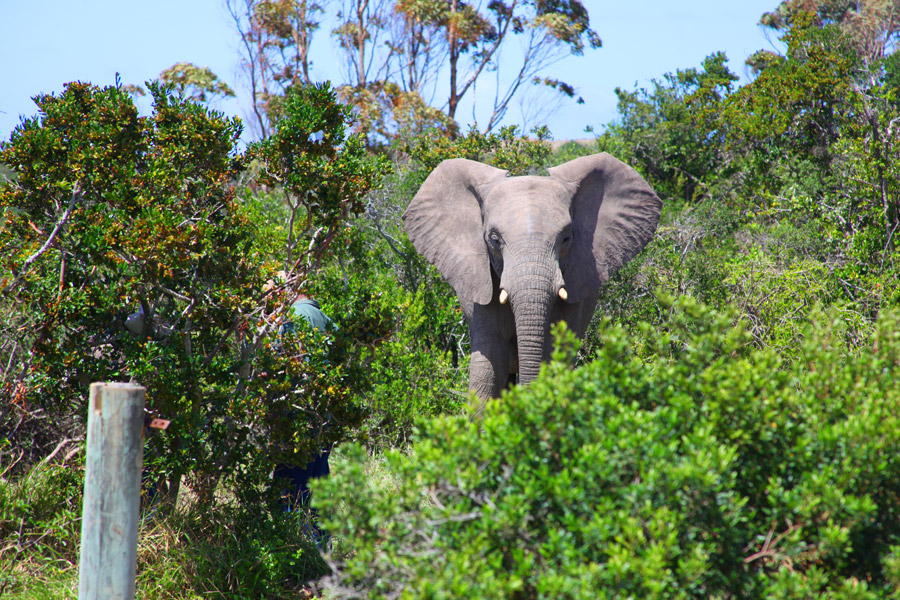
point(453, 42)
point(361, 43)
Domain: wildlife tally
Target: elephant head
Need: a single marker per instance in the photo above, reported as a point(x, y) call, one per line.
point(522, 252)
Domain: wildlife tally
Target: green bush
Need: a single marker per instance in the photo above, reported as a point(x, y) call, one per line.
point(184, 554)
point(40, 523)
point(705, 468)
point(673, 134)
point(234, 555)
point(210, 246)
point(112, 214)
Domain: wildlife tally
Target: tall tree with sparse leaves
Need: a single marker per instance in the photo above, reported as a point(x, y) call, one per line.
point(401, 56)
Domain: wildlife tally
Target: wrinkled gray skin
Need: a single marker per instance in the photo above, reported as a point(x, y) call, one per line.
point(525, 252)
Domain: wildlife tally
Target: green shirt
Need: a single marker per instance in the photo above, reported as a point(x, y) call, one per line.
point(310, 310)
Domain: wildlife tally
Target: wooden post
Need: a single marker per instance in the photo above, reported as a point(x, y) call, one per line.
point(112, 487)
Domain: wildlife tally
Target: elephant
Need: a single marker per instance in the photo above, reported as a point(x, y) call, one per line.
point(524, 252)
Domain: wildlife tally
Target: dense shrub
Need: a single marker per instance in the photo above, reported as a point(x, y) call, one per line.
point(688, 465)
point(129, 255)
point(781, 189)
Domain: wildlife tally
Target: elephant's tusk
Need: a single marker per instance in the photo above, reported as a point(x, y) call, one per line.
point(504, 296)
point(563, 294)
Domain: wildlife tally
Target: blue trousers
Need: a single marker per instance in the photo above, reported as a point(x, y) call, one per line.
point(296, 479)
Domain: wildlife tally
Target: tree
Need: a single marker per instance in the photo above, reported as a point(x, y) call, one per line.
point(812, 138)
point(363, 26)
point(124, 213)
point(387, 95)
point(798, 105)
point(673, 132)
point(870, 143)
point(854, 43)
point(324, 172)
point(276, 37)
point(130, 255)
point(199, 84)
point(872, 25)
point(547, 30)
point(399, 55)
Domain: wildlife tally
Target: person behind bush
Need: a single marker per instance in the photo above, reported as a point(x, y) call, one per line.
point(296, 477)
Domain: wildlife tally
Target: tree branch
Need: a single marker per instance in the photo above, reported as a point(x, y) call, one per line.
point(76, 195)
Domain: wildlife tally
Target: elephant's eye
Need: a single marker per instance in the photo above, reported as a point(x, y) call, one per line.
point(494, 238)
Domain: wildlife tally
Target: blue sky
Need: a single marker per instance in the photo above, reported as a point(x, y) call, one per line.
point(46, 43)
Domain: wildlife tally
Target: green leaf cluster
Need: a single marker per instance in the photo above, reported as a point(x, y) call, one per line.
point(672, 133)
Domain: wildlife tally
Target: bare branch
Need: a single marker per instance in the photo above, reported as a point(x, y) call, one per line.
point(76, 196)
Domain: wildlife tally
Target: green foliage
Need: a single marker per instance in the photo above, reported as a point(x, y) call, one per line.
point(813, 137)
point(792, 193)
point(40, 516)
point(672, 134)
point(313, 159)
point(870, 25)
point(143, 221)
point(508, 149)
point(794, 111)
point(187, 79)
point(162, 276)
point(687, 466)
point(199, 83)
point(409, 346)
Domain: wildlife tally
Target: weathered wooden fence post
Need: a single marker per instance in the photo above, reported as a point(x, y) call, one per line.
point(112, 487)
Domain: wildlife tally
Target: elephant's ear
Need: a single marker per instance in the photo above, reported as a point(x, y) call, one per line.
point(614, 213)
point(444, 223)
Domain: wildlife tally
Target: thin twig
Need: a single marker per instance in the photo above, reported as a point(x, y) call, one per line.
point(174, 294)
point(887, 244)
point(234, 325)
point(12, 355)
point(59, 447)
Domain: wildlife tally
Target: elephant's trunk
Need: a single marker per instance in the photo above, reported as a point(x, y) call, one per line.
point(531, 302)
point(532, 330)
